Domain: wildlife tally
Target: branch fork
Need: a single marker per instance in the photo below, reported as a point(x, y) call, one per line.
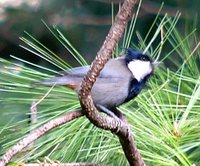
point(122, 129)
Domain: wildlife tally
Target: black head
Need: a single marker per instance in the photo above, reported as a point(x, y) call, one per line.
point(140, 64)
point(132, 54)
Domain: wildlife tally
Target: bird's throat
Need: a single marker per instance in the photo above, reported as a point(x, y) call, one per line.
point(135, 88)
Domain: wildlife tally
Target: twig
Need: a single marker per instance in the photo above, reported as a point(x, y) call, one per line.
point(33, 113)
point(108, 123)
point(32, 119)
point(35, 134)
point(43, 97)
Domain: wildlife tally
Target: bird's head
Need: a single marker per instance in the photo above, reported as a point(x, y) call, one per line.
point(140, 64)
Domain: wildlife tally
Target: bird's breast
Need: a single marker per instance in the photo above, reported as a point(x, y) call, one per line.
point(110, 92)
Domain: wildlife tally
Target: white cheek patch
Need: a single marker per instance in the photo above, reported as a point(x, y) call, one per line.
point(140, 69)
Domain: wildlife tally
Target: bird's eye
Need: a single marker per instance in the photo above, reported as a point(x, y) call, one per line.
point(144, 58)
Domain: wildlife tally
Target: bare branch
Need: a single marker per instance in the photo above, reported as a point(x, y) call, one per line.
point(102, 57)
point(35, 134)
point(122, 130)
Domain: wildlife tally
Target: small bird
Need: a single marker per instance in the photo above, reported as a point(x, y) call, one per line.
point(121, 79)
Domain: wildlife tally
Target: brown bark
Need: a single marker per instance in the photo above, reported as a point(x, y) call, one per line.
point(35, 134)
point(122, 129)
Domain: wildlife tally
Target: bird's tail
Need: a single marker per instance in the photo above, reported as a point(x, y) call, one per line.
point(66, 80)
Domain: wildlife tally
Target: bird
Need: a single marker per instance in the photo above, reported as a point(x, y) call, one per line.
point(120, 81)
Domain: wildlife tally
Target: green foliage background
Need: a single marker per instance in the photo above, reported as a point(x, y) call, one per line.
point(165, 118)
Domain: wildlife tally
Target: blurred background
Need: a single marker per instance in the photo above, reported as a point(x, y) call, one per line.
point(84, 22)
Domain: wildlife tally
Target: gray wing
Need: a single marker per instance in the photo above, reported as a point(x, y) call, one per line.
point(113, 72)
point(111, 87)
point(113, 68)
point(71, 78)
point(78, 71)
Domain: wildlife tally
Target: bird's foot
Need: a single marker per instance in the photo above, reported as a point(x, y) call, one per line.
point(120, 123)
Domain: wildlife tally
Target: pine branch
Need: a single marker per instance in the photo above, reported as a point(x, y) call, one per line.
point(37, 133)
point(122, 130)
